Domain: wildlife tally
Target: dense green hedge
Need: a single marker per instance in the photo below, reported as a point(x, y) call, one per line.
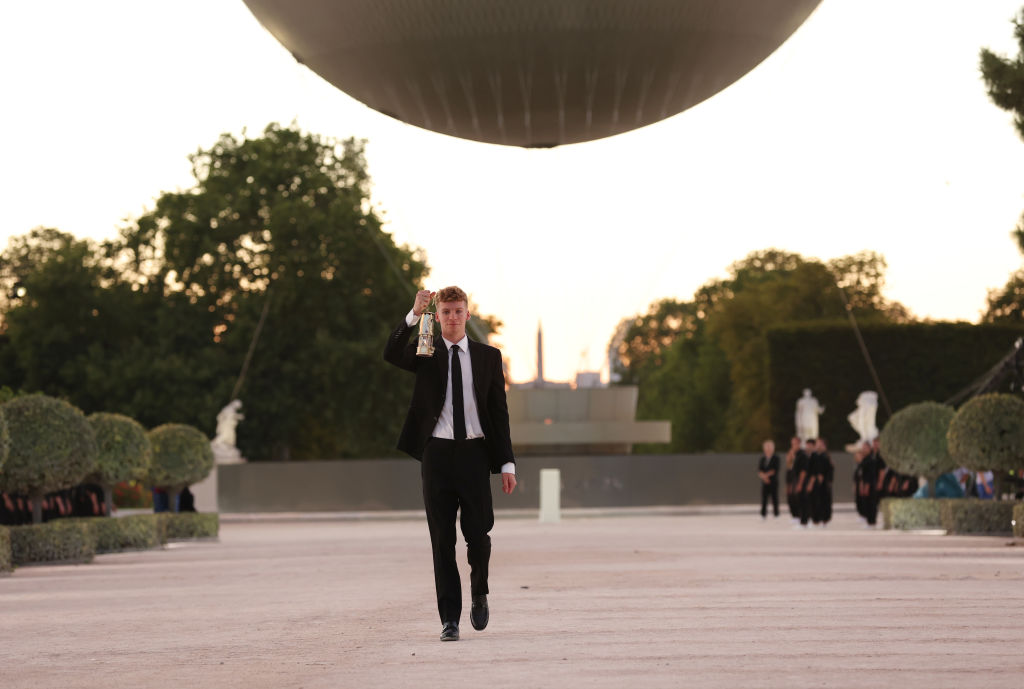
point(1018, 520)
point(134, 532)
point(6, 565)
point(78, 540)
point(955, 515)
point(5, 439)
point(62, 540)
point(916, 362)
point(176, 526)
point(971, 515)
point(911, 513)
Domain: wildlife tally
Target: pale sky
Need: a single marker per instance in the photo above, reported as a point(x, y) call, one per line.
point(868, 129)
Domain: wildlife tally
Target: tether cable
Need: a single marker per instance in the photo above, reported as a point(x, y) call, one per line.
point(864, 350)
point(252, 346)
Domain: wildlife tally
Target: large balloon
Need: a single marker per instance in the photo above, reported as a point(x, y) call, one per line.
point(535, 73)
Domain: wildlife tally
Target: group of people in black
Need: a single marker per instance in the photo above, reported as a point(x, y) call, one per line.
point(873, 480)
point(810, 474)
point(84, 500)
point(809, 477)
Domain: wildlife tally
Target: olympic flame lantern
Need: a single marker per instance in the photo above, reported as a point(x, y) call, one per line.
point(425, 343)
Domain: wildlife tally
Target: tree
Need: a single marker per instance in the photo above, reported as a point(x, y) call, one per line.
point(649, 335)
point(76, 329)
point(157, 324)
point(1004, 80)
point(282, 225)
point(54, 271)
point(181, 456)
point(987, 433)
point(1004, 77)
point(53, 447)
point(1006, 305)
point(123, 452)
point(703, 364)
point(914, 441)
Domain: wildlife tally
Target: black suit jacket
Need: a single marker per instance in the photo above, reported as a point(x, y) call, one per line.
point(765, 464)
point(429, 391)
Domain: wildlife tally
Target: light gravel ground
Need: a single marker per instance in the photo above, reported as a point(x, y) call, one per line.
point(713, 600)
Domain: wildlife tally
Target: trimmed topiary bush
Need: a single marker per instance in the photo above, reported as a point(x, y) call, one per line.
point(911, 513)
point(124, 452)
point(1018, 520)
point(52, 447)
point(987, 432)
point(971, 515)
point(181, 456)
point(6, 565)
point(134, 532)
point(182, 526)
point(62, 540)
point(914, 441)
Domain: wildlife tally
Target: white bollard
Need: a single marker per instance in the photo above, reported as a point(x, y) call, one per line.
point(550, 495)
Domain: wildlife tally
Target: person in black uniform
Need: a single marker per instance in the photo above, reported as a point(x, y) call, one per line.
point(791, 501)
point(826, 473)
point(801, 466)
point(815, 480)
point(873, 474)
point(768, 472)
point(858, 479)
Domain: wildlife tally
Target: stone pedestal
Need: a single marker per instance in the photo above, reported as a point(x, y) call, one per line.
point(205, 492)
point(550, 495)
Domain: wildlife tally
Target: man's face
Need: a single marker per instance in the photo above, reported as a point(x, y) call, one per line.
point(453, 316)
point(769, 448)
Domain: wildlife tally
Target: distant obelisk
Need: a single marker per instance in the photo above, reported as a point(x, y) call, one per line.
point(540, 357)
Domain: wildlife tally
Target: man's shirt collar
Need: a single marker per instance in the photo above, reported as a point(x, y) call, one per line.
point(463, 343)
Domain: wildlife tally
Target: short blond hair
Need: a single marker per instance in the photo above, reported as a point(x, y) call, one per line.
point(452, 293)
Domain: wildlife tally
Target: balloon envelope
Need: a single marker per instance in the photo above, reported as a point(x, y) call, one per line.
point(534, 73)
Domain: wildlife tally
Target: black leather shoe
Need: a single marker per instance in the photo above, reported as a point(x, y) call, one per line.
point(479, 614)
point(450, 631)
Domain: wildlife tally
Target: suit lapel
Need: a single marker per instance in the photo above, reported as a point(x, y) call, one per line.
point(441, 359)
point(476, 358)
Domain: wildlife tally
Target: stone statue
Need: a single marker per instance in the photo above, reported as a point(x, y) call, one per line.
point(807, 412)
point(863, 417)
point(224, 448)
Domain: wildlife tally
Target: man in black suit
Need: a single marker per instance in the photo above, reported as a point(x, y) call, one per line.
point(457, 426)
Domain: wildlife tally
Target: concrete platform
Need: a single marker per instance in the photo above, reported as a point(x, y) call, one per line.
point(700, 600)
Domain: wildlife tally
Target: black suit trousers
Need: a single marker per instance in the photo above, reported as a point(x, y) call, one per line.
point(769, 490)
point(456, 476)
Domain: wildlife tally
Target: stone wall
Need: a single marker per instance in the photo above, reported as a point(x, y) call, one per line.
point(587, 481)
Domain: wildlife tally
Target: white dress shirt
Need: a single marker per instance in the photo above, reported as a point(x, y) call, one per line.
point(445, 427)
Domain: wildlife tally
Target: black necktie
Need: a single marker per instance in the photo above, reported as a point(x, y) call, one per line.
point(458, 405)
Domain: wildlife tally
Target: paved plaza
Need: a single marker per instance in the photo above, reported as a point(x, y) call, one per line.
point(718, 599)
